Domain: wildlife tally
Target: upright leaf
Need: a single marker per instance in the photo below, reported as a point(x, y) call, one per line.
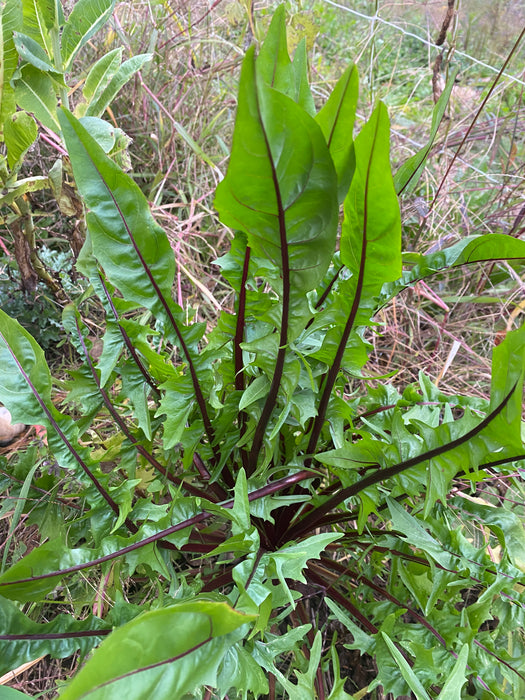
point(336, 119)
point(101, 73)
point(10, 21)
point(40, 21)
point(282, 196)
point(303, 95)
point(273, 62)
point(135, 251)
point(86, 18)
point(122, 75)
point(371, 234)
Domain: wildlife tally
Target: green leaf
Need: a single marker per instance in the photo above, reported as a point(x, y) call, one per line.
point(303, 95)
point(371, 233)
point(409, 173)
point(86, 18)
point(285, 200)
point(14, 652)
point(104, 133)
point(31, 51)
point(456, 679)
point(123, 74)
point(20, 132)
point(24, 364)
point(11, 694)
point(416, 535)
point(10, 21)
point(52, 555)
point(289, 561)
point(35, 92)
point(135, 251)
point(41, 21)
point(336, 120)
point(186, 642)
point(273, 62)
point(408, 674)
point(471, 249)
point(101, 73)
point(255, 391)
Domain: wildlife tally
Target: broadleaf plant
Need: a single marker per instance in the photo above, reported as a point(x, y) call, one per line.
point(251, 513)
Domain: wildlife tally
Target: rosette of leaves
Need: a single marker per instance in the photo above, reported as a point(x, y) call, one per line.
point(246, 526)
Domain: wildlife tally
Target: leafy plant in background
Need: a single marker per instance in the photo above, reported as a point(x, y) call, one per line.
point(38, 49)
point(249, 511)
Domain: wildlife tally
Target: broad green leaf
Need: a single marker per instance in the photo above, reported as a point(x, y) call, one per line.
point(457, 679)
point(508, 369)
point(13, 653)
point(10, 21)
point(31, 51)
point(23, 365)
point(277, 190)
point(371, 233)
point(102, 132)
point(186, 642)
point(123, 74)
point(86, 18)
point(239, 670)
point(408, 674)
point(273, 63)
point(135, 251)
point(35, 92)
point(336, 120)
point(101, 73)
point(409, 173)
point(20, 132)
point(41, 21)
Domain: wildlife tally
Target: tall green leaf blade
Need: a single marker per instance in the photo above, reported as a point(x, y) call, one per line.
point(101, 73)
point(10, 21)
point(452, 690)
point(303, 95)
point(40, 20)
point(336, 120)
point(186, 642)
point(86, 18)
point(274, 66)
point(124, 73)
point(371, 233)
point(135, 251)
point(406, 671)
point(277, 193)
